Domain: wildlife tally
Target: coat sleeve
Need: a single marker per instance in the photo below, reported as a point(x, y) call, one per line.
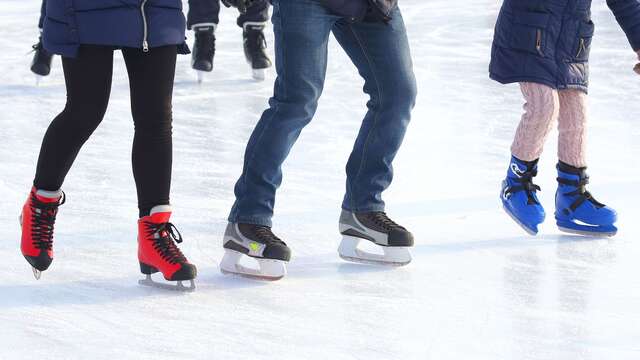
point(627, 13)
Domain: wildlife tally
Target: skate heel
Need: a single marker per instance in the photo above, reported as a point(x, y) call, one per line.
point(147, 269)
point(392, 255)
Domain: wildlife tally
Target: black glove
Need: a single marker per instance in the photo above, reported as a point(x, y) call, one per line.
point(242, 5)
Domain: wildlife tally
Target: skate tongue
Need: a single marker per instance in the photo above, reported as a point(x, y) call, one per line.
point(48, 196)
point(160, 214)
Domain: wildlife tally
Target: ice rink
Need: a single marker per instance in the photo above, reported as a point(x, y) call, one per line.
point(478, 288)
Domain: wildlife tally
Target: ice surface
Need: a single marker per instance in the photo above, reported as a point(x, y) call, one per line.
point(478, 288)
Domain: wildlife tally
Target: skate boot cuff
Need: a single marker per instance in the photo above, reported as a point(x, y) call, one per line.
point(566, 168)
point(160, 214)
point(48, 196)
point(255, 25)
point(204, 27)
point(529, 164)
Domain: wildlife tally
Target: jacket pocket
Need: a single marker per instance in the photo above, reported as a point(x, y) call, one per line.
point(529, 32)
point(583, 42)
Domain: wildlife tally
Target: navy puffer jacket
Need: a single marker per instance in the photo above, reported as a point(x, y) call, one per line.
point(548, 41)
point(120, 23)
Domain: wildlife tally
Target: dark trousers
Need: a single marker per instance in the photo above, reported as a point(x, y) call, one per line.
point(208, 11)
point(88, 82)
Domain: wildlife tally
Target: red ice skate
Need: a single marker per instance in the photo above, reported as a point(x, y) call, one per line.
point(37, 220)
point(158, 252)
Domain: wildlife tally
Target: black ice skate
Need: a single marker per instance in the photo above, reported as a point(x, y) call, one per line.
point(41, 63)
point(376, 227)
point(204, 49)
point(254, 49)
point(257, 242)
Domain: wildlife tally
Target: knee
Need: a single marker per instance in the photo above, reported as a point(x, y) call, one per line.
point(83, 114)
point(541, 102)
point(154, 120)
point(406, 92)
point(399, 95)
point(301, 105)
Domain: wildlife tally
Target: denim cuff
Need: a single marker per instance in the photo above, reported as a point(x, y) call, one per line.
point(255, 220)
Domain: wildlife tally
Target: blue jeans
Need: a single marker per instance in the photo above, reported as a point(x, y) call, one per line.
point(381, 53)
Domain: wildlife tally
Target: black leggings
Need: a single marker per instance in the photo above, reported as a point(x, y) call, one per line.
point(88, 81)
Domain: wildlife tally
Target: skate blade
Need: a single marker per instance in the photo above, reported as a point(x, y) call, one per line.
point(39, 79)
point(36, 273)
point(259, 74)
point(148, 281)
point(269, 270)
point(393, 256)
point(200, 76)
point(523, 226)
point(586, 231)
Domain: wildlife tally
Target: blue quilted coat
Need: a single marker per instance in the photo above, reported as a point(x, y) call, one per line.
point(548, 41)
point(140, 24)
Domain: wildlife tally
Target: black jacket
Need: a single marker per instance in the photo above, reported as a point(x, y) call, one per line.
point(360, 9)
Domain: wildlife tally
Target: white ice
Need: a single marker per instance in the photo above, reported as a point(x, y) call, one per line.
point(478, 288)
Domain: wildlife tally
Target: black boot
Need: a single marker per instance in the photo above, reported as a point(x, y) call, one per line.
point(41, 64)
point(204, 48)
point(254, 48)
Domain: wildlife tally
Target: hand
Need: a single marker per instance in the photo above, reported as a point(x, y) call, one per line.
point(637, 67)
point(242, 5)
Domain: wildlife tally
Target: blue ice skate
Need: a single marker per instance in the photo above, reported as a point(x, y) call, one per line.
point(519, 195)
point(577, 212)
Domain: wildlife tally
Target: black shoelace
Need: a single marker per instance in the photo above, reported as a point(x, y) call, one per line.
point(381, 219)
point(165, 242)
point(266, 236)
point(209, 46)
point(37, 47)
point(580, 191)
point(526, 184)
point(256, 40)
point(43, 218)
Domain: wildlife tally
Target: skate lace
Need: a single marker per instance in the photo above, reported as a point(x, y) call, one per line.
point(37, 46)
point(526, 184)
point(581, 192)
point(265, 235)
point(209, 47)
point(257, 39)
point(165, 243)
point(381, 219)
point(43, 218)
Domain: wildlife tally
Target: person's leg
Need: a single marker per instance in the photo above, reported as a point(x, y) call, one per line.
point(151, 77)
point(88, 81)
point(519, 193)
point(572, 128)
point(258, 12)
point(203, 13)
point(542, 107)
point(577, 211)
point(381, 53)
point(302, 29)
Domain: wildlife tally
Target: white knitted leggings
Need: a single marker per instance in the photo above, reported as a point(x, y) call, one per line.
point(543, 105)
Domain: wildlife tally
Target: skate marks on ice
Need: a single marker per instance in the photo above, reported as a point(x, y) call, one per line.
point(54, 293)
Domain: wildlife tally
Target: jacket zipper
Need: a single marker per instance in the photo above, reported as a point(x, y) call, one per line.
point(539, 42)
point(145, 33)
point(581, 48)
